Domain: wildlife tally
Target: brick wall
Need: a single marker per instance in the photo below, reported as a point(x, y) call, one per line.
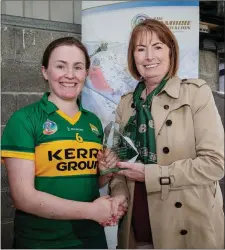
point(21, 84)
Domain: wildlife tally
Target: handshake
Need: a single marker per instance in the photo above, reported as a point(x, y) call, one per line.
point(110, 209)
point(107, 210)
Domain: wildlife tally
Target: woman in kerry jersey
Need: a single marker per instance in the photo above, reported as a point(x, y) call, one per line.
point(51, 160)
point(174, 195)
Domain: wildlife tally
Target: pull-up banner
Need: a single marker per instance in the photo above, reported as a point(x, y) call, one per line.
point(106, 28)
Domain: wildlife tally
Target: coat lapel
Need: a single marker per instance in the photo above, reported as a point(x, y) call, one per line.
point(162, 104)
point(159, 112)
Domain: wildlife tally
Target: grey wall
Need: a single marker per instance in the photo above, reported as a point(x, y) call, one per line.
point(22, 46)
point(209, 68)
point(46, 10)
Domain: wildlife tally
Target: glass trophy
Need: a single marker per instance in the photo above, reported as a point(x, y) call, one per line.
point(121, 145)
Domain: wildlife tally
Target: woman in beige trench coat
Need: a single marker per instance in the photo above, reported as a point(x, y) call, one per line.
point(180, 179)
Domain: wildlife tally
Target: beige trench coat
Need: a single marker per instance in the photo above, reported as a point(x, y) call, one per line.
point(188, 212)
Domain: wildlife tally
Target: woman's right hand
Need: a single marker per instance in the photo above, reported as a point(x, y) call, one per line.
point(106, 159)
point(101, 209)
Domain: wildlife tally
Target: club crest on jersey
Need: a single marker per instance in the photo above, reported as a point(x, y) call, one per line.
point(49, 127)
point(94, 129)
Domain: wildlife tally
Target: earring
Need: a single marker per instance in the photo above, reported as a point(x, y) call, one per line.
point(141, 78)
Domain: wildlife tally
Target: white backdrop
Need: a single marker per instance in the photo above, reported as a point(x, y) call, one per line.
point(106, 27)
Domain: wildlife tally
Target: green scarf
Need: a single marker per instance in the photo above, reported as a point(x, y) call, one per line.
point(140, 127)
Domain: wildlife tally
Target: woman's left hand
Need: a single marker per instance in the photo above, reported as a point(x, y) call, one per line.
point(134, 171)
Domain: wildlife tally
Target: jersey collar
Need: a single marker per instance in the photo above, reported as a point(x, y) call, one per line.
point(50, 107)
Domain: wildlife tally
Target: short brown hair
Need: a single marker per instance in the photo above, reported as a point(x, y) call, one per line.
point(71, 41)
point(164, 34)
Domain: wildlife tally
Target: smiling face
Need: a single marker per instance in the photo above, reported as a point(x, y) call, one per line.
point(66, 72)
point(151, 56)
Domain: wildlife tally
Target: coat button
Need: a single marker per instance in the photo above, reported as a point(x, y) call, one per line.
point(166, 106)
point(183, 232)
point(168, 122)
point(132, 106)
point(166, 150)
point(178, 204)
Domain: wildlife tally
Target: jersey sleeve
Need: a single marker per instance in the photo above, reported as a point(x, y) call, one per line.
point(18, 140)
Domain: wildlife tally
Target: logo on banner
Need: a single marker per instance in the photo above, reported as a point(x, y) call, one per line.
point(173, 25)
point(138, 19)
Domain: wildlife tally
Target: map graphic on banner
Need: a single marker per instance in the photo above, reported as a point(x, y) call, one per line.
point(106, 27)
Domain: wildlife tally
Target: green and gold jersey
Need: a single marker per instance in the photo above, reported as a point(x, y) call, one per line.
point(64, 150)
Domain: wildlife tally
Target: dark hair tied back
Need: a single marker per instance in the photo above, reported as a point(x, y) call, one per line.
point(70, 41)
